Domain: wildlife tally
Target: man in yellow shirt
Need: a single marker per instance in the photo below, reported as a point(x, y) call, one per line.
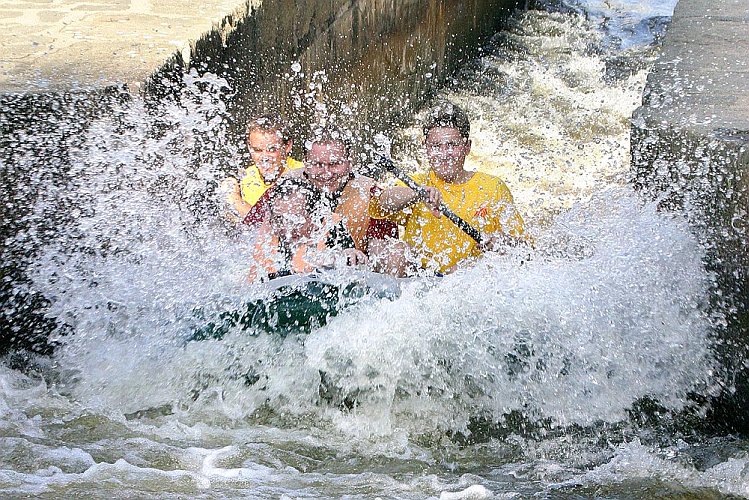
point(482, 200)
point(270, 145)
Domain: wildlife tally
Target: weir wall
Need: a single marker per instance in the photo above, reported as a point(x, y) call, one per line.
point(690, 151)
point(66, 62)
point(375, 60)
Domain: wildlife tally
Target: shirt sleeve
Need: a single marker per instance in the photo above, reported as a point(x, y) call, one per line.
point(506, 218)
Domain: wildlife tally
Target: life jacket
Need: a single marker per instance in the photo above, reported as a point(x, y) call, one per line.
point(351, 204)
point(259, 211)
point(255, 191)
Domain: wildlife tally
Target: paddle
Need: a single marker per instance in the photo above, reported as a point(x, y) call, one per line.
point(471, 231)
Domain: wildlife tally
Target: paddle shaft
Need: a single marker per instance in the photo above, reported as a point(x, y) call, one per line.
point(471, 231)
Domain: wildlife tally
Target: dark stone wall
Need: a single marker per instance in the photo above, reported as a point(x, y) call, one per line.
point(690, 151)
point(384, 58)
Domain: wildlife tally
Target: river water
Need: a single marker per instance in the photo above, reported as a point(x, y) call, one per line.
point(514, 379)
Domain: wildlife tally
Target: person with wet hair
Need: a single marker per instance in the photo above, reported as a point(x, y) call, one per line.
point(482, 200)
point(300, 234)
point(269, 144)
point(329, 167)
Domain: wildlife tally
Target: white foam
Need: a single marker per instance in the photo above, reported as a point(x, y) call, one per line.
point(475, 492)
point(635, 460)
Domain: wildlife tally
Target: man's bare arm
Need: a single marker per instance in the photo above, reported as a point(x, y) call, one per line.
point(396, 198)
point(233, 197)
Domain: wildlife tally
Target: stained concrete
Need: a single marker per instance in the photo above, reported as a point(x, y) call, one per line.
point(690, 151)
point(61, 45)
point(701, 79)
point(382, 56)
point(691, 136)
point(379, 58)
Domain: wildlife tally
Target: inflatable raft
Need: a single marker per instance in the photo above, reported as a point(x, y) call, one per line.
point(298, 303)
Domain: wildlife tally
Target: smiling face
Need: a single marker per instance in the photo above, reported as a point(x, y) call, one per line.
point(446, 150)
point(328, 165)
point(268, 152)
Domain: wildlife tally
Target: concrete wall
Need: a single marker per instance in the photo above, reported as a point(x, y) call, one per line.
point(690, 150)
point(64, 45)
point(382, 57)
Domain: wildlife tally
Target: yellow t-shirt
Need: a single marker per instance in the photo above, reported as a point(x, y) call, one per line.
point(484, 201)
point(253, 186)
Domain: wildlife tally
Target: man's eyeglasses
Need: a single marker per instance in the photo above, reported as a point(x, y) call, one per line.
point(444, 146)
point(319, 165)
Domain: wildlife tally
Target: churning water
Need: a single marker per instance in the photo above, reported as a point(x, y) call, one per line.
point(516, 378)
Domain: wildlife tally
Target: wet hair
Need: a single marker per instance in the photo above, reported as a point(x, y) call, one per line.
point(295, 185)
point(328, 135)
point(270, 123)
point(448, 115)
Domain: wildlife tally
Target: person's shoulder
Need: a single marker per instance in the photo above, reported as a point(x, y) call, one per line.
point(293, 173)
point(485, 179)
point(421, 177)
point(365, 186)
point(293, 164)
point(492, 186)
point(362, 181)
point(250, 177)
point(249, 172)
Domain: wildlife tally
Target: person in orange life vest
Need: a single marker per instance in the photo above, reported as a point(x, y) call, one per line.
point(482, 200)
point(298, 235)
point(270, 144)
point(328, 166)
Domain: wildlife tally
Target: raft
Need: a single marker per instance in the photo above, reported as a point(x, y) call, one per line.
point(298, 303)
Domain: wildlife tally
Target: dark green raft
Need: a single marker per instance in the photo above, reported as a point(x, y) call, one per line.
point(297, 304)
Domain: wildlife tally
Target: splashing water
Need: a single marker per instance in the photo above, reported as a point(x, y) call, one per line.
point(610, 310)
point(575, 339)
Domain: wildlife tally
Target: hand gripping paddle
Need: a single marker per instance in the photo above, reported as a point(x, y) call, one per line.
point(471, 231)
